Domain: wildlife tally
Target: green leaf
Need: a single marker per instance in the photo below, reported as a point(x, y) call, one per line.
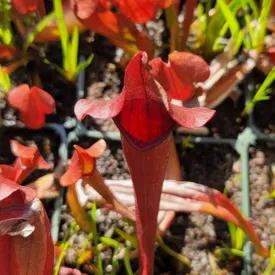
point(230, 251)
point(59, 69)
point(131, 239)
point(60, 258)
point(254, 7)
point(237, 252)
point(238, 42)
point(261, 28)
point(248, 43)
point(95, 241)
point(207, 9)
point(64, 35)
point(222, 33)
point(85, 64)
point(127, 263)
point(239, 238)
point(271, 264)
point(109, 242)
point(38, 28)
point(73, 51)
point(6, 33)
point(272, 256)
point(216, 23)
point(262, 93)
point(64, 245)
point(5, 82)
point(232, 232)
point(230, 18)
point(171, 252)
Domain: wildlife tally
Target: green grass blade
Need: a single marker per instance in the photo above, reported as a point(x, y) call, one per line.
point(216, 22)
point(6, 29)
point(261, 28)
point(229, 251)
point(271, 264)
point(232, 232)
point(110, 242)
point(84, 64)
point(207, 9)
point(237, 252)
point(5, 82)
point(64, 245)
point(262, 93)
point(64, 35)
point(127, 263)
point(222, 33)
point(115, 263)
point(229, 17)
point(272, 256)
point(60, 258)
point(238, 42)
point(171, 252)
point(125, 236)
point(38, 28)
point(254, 7)
point(60, 70)
point(73, 52)
point(96, 241)
point(239, 238)
point(268, 270)
point(250, 43)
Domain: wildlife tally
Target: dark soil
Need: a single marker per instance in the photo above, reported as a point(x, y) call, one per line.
point(224, 123)
point(264, 114)
point(264, 111)
point(61, 90)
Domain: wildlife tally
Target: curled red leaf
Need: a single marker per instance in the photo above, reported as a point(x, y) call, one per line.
point(32, 103)
point(82, 163)
point(27, 160)
point(178, 76)
point(143, 111)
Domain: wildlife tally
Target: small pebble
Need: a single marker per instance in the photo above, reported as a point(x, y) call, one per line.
point(236, 167)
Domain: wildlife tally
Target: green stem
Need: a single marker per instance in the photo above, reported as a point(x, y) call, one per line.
point(60, 258)
point(127, 262)
point(171, 252)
